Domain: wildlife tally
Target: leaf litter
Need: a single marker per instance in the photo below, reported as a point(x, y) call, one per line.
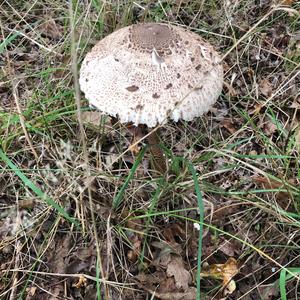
point(158, 258)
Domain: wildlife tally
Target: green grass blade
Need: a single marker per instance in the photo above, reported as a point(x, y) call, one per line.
point(201, 209)
point(284, 278)
point(7, 41)
point(35, 189)
point(117, 200)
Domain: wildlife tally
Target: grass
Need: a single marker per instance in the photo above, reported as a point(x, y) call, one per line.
point(243, 156)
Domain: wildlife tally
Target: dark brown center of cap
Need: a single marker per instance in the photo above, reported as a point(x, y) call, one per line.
point(147, 36)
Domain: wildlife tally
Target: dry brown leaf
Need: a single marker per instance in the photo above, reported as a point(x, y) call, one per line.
point(154, 278)
point(265, 87)
point(287, 2)
point(51, 29)
point(224, 272)
point(190, 294)
point(229, 125)
point(31, 291)
point(296, 103)
point(57, 257)
point(268, 183)
point(82, 282)
point(181, 275)
point(64, 68)
point(269, 128)
point(95, 118)
point(27, 203)
point(255, 109)
point(172, 231)
point(268, 291)
point(227, 248)
point(282, 198)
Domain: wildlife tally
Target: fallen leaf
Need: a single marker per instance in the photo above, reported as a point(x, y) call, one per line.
point(51, 29)
point(287, 2)
point(95, 118)
point(82, 282)
point(268, 291)
point(182, 276)
point(154, 278)
point(224, 272)
point(296, 103)
point(255, 109)
point(265, 87)
point(63, 69)
point(175, 230)
point(167, 285)
point(229, 125)
point(26, 204)
point(268, 183)
point(282, 198)
point(269, 128)
point(31, 291)
point(227, 248)
point(230, 287)
point(187, 295)
point(163, 254)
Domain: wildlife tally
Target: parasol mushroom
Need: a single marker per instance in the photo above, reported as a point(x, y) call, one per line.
point(151, 72)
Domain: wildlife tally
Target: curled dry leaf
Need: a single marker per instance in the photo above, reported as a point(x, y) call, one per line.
point(224, 272)
point(229, 125)
point(181, 275)
point(82, 282)
point(255, 109)
point(268, 291)
point(265, 87)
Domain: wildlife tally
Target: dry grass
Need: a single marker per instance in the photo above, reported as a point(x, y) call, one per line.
point(57, 183)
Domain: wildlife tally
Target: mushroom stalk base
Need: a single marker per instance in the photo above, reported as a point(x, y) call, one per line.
point(158, 159)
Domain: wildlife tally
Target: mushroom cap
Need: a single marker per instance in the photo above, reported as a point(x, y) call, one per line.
point(147, 73)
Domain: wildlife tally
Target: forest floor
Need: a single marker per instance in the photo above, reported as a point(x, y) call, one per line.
point(61, 238)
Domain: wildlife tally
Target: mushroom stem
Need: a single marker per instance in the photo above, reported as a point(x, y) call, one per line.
point(158, 160)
